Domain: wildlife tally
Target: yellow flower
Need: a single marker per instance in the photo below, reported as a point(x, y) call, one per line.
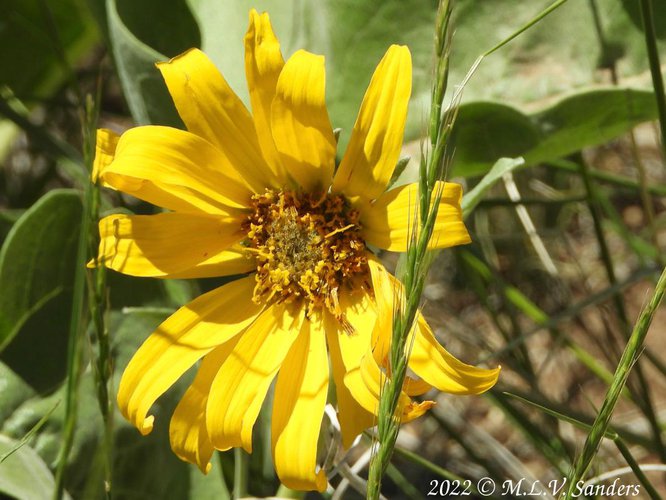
point(259, 193)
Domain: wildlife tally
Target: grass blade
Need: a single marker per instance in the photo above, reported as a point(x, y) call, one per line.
point(629, 358)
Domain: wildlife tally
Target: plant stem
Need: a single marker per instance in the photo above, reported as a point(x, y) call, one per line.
point(643, 400)
point(418, 259)
point(655, 68)
point(74, 351)
point(636, 468)
point(609, 434)
point(240, 473)
point(618, 180)
point(98, 303)
point(629, 358)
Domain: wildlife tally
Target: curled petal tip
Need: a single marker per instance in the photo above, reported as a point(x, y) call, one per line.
point(147, 425)
point(321, 481)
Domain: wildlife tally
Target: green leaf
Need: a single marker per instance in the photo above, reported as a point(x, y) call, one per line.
point(659, 11)
point(47, 440)
point(161, 474)
point(143, 465)
point(144, 89)
point(8, 217)
point(502, 167)
point(14, 391)
point(27, 36)
point(340, 29)
point(562, 53)
point(24, 474)
point(589, 119)
point(487, 131)
point(36, 273)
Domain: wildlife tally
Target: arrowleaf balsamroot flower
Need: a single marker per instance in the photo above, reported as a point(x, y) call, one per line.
point(258, 194)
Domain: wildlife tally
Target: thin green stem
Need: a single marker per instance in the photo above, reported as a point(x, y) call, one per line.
point(617, 180)
point(647, 15)
point(629, 359)
point(636, 468)
point(644, 400)
point(646, 198)
point(74, 351)
point(427, 464)
point(528, 25)
point(608, 55)
point(609, 434)
point(98, 302)
point(241, 465)
point(403, 483)
point(501, 44)
point(418, 260)
point(609, 60)
point(595, 211)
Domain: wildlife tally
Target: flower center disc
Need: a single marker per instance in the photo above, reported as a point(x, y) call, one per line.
point(307, 247)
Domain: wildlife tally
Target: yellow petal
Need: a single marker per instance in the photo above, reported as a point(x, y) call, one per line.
point(263, 64)
point(346, 351)
point(360, 313)
point(210, 109)
point(388, 297)
point(188, 334)
point(428, 359)
point(105, 150)
point(170, 244)
point(175, 169)
point(362, 351)
point(187, 432)
point(366, 383)
point(415, 387)
point(376, 139)
point(435, 365)
point(243, 380)
point(298, 408)
point(353, 418)
point(300, 124)
point(387, 223)
point(233, 260)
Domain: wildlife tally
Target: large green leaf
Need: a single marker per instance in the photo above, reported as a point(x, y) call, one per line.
point(352, 35)
point(161, 474)
point(36, 275)
point(633, 8)
point(560, 53)
point(143, 465)
point(7, 219)
point(14, 392)
point(24, 474)
point(487, 131)
point(142, 84)
point(590, 119)
point(30, 62)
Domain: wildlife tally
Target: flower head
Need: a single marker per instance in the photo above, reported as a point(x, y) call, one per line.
point(258, 194)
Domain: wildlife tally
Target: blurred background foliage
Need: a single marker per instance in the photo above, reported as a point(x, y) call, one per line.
point(567, 96)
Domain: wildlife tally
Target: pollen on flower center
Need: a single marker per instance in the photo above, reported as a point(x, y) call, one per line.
point(307, 246)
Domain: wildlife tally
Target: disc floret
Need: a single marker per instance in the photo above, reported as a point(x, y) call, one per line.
point(307, 247)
